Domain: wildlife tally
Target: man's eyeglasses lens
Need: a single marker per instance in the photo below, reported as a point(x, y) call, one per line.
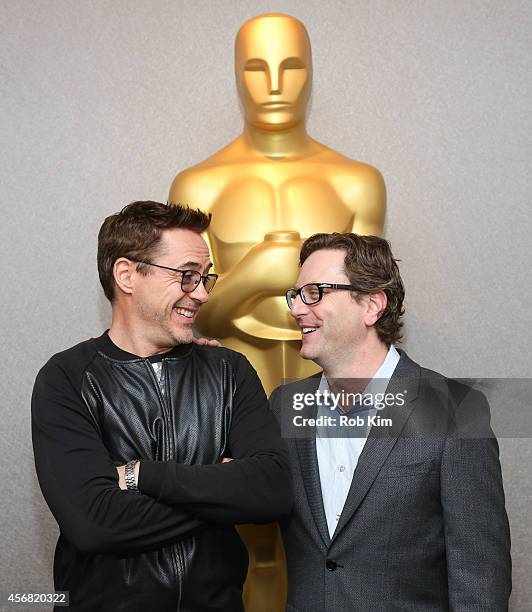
point(190, 279)
point(310, 294)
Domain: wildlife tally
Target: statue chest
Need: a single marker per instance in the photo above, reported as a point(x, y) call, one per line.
point(251, 206)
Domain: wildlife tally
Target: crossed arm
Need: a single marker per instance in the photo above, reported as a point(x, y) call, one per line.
point(251, 485)
point(121, 469)
point(80, 482)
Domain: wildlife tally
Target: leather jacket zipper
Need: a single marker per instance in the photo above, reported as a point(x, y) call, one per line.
point(169, 451)
point(169, 455)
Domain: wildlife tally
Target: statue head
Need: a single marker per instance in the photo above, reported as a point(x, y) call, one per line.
point(273, 65)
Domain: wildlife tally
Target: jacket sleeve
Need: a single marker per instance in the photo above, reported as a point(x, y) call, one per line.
point(80, 482)
point(477, 534)
point(253, 488)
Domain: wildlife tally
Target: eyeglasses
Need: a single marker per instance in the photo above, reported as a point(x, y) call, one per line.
point(190, 279)
point(313, 292)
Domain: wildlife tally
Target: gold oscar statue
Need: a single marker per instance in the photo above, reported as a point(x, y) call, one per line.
point(267, 190)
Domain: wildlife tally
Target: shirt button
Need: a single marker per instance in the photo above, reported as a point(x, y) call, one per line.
point(337, 517)
point(341, 468)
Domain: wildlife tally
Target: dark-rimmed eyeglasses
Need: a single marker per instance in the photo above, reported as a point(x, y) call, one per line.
point(313, 292)
point(190, 279)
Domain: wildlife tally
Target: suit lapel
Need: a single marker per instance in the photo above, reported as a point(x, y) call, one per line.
point(308, 462)
point(381, 440)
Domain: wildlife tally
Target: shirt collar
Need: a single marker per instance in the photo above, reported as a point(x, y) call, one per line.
point(380, 380)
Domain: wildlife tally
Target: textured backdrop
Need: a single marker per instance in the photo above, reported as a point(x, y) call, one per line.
point(103, 102)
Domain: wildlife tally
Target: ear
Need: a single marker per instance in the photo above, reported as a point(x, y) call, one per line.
point(123, 270)
point(376, 305)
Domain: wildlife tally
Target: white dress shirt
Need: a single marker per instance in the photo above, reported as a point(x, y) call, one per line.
point(338, 457)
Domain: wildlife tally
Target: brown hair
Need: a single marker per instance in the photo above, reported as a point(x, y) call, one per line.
point(135, 233)
point(370, 267)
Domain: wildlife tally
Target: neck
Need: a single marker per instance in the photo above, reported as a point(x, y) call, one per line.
point(291, 142)
point(124, 333)
point(359, 363)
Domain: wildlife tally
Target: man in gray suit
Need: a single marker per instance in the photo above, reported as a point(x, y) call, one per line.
point(399, 503)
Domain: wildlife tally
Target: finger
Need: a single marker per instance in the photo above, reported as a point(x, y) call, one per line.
point(200, 341)
point(206, 342)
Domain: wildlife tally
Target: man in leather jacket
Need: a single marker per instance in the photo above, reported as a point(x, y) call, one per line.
point(185, 425)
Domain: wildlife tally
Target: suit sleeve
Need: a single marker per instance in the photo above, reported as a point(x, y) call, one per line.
point(476, 526)
point(253, 488)
point(275, 404)
point(80, 482)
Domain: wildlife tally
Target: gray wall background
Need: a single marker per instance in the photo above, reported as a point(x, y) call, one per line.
point(103, 102)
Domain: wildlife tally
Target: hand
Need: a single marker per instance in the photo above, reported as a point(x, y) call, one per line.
point(206, 342)
point(267, 269)
point(121, 469)
point(227, 459)
point(270, 267)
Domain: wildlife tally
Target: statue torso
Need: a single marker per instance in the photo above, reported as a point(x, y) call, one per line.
point(249, 198)
point(257, 199)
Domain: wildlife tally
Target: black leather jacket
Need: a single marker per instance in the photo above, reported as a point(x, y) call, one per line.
point(173, 546)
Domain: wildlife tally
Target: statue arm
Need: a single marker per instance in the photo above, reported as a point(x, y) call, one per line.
point(370, 206)
point(231, 291)
point(268, 268)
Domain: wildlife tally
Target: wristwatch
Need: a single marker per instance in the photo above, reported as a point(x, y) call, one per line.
point(129, 476)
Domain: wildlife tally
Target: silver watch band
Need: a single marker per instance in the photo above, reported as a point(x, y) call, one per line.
point(129, 476)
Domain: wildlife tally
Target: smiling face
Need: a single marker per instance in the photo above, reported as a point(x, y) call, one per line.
point(273, 67)
point(337, 326)
point(164, 313)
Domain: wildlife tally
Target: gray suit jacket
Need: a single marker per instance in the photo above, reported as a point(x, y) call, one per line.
point(424, 526)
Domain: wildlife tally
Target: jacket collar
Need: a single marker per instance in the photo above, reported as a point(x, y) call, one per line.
point(110, 349)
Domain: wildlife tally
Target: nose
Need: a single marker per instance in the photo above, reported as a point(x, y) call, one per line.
point(199, 294)
point(299, 307)
point(275, 80)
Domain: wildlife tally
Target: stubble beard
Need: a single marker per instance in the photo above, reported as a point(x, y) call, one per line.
point(163, 324)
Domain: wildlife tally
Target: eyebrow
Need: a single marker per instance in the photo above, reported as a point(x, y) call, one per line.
point(291, 61)
point(193, 265)
point(254, 60)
